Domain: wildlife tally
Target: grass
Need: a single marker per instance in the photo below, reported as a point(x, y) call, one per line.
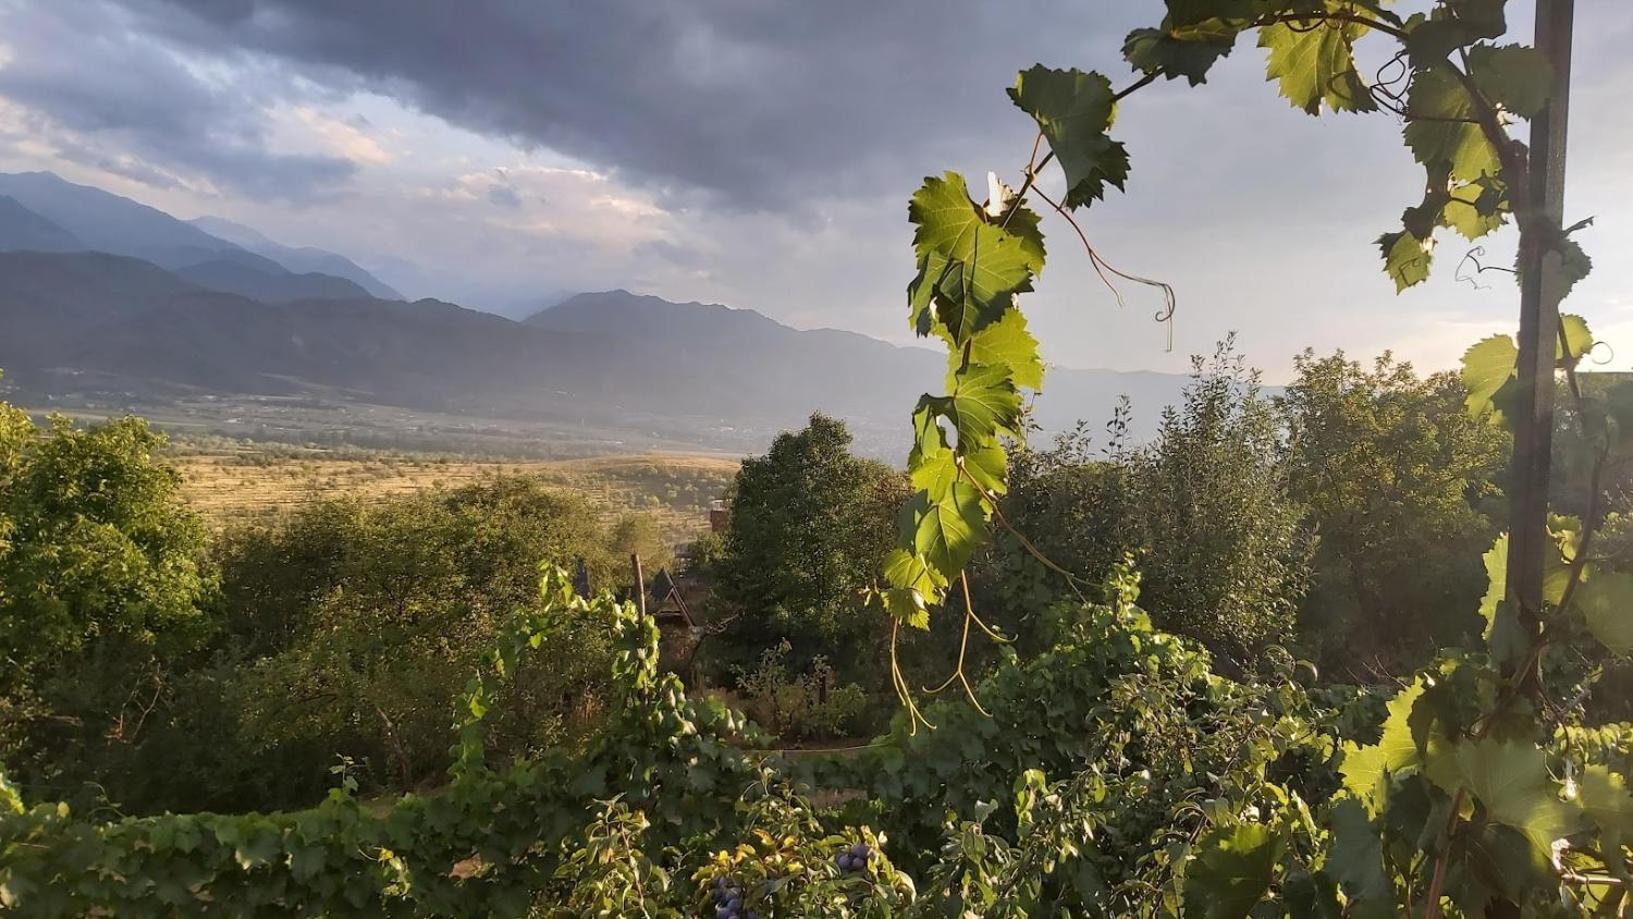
point(229, 481)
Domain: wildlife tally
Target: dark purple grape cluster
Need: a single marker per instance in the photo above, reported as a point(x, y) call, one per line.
point(855, 858)
point(728, 901)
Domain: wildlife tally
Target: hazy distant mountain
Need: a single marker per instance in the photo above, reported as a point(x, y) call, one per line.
point(842, 372)
point(270, 286)
point(22, 229)
point(303, 259)
point(106, 222)
point(708, 375)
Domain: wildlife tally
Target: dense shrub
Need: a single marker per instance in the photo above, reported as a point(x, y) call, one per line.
point(666, 813)
point(361, 620)
point(812, 705)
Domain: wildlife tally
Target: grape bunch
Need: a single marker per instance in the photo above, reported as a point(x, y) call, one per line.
point(728, 901)
point(855, 858)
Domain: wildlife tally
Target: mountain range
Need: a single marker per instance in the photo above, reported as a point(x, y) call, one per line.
point(40, 211)
point(124, 301)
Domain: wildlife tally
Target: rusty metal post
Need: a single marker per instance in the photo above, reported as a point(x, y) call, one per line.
point(1541, 289)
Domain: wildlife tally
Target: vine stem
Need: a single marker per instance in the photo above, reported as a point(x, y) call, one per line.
point(1034, 551)
point(963, 646)
point(1431, 906)
point(1029, 177)
point(902, 689)
point(1134, 87)
point(1332, 16)
point(1101, 266)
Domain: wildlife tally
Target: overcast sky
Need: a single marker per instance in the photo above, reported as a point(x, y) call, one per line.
point(759, 153)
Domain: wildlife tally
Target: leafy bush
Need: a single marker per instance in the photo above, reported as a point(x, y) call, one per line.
point(653, 815)
point(807, 706)
point(360, 622)
point(487, 843)
point(1139, 710)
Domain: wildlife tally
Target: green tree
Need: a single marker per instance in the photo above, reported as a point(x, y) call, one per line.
point(640, 534)
point(1073, 503)
point(1399, 483)
point(1227, 557)
point(810, 525)
point(102, 576)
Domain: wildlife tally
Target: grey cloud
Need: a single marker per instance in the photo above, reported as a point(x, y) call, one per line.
point(504, 196)
point(677, 255)
point(761, 104)
point(124, 104)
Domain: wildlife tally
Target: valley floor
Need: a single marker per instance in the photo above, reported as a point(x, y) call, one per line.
point(229, 481)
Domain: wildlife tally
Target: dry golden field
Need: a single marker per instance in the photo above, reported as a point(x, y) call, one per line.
point(234, 481)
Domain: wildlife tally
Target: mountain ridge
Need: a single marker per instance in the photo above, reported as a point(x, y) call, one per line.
point(715, 376)
point(298, 259)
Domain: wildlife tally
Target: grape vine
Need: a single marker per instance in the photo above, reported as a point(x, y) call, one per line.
point(1474, 799)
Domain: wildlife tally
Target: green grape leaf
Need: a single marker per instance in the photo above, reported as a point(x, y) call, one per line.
point(934, 270)
point(1432, 38)
point(1604, 798)
point(1578, 341)
point(1366, 770)
point(983, 404)
point(1476, 209)
point(969, 267)
point(1518, 78)
point(1356, 859)
point(988, 466)
point(1502, 632)
point(1606, 602)
point(1006, 343)
point(1488, 366)
point(958, 314)
point(1406, 258)
point(1314, 63)
point(933, 466)
point(1074, 109)
point(1184, 52)
point(1564, 535)
point(928, 439)
point(907, 570)
point(947, 222)
point(907, 606)
point(1233, 870)
point(1439, 127)
point(936, 473)
point(1577, 265)
point(1510, 779)
point(947, 531)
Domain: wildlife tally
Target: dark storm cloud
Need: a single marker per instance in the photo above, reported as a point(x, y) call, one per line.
point(764, 103)
point(123, 103)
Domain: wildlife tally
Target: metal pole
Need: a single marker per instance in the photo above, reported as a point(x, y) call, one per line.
point(1542, 210)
